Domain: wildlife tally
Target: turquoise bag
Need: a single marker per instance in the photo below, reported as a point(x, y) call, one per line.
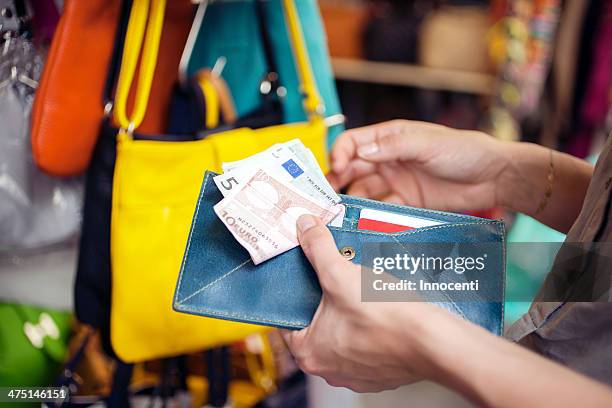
point(228, 30)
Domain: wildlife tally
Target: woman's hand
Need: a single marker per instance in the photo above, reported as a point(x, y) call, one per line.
point(366, 347)
point(419, 164)
point(427, 165)
point(376, 346)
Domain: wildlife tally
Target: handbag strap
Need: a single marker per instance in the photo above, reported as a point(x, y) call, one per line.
point(313, 104)
point(222, 97)
point(272, 72)
point(115, 62)
point(212, 104)
point(143, 11)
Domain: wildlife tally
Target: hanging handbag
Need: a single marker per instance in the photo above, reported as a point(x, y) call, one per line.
point(200, 100)
point(36, 210)
point(226, 32)
point(67, 110)
point(92, 283)
point(155, 188)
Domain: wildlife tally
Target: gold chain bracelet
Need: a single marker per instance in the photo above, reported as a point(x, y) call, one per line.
point(549, 187)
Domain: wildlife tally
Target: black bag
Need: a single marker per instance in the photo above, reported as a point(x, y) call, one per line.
point(92, 283)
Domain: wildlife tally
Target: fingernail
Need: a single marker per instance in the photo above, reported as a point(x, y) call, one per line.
point(368, 150)
point(306, 222)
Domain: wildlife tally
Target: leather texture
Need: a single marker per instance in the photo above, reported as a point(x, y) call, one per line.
point(218, 278)
point(68, 107)
point(92, 286)
point(154, 192)
point(69, 103)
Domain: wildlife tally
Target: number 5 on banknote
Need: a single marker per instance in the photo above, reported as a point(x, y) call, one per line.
point(228, 184)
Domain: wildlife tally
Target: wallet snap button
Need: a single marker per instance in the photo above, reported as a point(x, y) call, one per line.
point(347, 252)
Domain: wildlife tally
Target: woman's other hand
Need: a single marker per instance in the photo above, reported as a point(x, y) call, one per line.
point(419, 164)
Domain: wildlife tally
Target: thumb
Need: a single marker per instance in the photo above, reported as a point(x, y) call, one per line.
point(320, 249)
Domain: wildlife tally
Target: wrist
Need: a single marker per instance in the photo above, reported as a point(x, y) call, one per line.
point(431, 339)
point(457, 353)
point(447, 350)
point(521, 184)
point(507, 177)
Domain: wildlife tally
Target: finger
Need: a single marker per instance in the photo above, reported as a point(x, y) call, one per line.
point(372, 386)
point(412, 142)
point(320, 249)
point(361, 386)
point(293, 338)
point(372, 186)
point(393, 199)
point(346, 146)
point(286, 336)
point(354, 170)
point(404, 184)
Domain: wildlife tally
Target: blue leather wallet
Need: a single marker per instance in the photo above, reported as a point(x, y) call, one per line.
point(218, 279)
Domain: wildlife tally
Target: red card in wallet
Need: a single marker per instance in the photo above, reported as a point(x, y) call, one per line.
point(384, 221)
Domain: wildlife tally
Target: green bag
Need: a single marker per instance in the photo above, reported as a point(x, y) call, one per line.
point(33, 345)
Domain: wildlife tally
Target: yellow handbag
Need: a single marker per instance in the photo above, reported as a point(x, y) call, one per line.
point(156, 184)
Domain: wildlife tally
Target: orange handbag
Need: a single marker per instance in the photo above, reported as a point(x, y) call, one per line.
point(68, 106)
point(67, 109)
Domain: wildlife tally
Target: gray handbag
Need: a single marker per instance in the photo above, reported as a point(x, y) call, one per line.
point(36, 210)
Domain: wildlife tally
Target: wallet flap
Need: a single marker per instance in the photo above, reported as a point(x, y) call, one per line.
point(218, 279)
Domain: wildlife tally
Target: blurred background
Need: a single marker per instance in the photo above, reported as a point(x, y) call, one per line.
point(528, 70)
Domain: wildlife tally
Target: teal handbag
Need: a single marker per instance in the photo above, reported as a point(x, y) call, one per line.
point(33, 345)
point(228, 31)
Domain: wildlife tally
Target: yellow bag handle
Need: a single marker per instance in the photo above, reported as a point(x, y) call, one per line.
point(211, 105)
point(261, 366)
point(313, 104)
point(129, 61)
point(223, 97)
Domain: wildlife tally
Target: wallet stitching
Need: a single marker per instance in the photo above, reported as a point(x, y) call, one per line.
point(250, 319)
point(404, 207)
point(211, 311)
point(220, 278)
point(502, 232)
point(178, 289)
point(427, 213)
point(226, 274)
point(417, 230)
